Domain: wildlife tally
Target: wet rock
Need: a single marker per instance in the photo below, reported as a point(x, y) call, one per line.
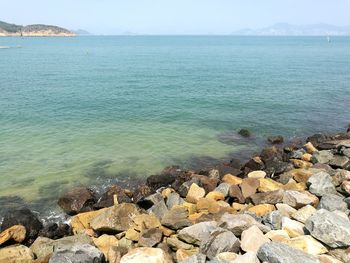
point(239, 222)
point(198, 233)
point(321, 184)
point(298, 199)
point(107, 199)
point(16, 254)
point(78, 253)
point(274, 252)
point(162, 180)
point(16, 233)
point(329, 228)
point(115, 219)
point(197, 258)
point(244, 133)
point(249, 186)
point(322, 157)
point(24, 217)
point(254, 164)
point(176, 218)
point(252, 239)
point(228, 169)
point(150, 237)
point(220, 240)
point(270, 153)
point(236, 194)
point(55, 231)
point(278, 139)
point(141, 192)
point(304, 213)
point(145, 255)
point(272, 197)
point(275, 167)
point(333, 202)
point(78, 200)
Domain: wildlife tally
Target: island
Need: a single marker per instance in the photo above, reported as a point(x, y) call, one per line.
point(38, 30)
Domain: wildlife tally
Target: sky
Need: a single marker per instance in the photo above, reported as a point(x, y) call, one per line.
point(173, 16)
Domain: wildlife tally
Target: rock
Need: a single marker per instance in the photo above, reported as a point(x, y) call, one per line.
point(301, 175)
point(236, 194)
point(270, 153)
point(78, 253)
point(214, 173)
point(162, 180)
point(81, 221)
point(105, 244)
point(341, 254)
point(217, 196)
point(322, 157)
point(346, 187)
point(328, 227)
point(145, 255)
point(274, 220)
point(231, 179)
point(275, 166)
point(248, 257)
point(225, 257)
point(107, 199)
point(26, 218)
point(278, 139)
point(285, 210)
point(304, 213)
point(146, 221)
point(307, 157)
point(223, 188)
point(159, 209)
point(321, 184)
point(182, 254)
point(252, 239)
point(174, 243)
point(16, 233)
point(340, 161)
point(278, 235)
point(115, 219)
point(176, 218)
point(195, 193)
point(249, 186)
point(150, 237)
point(307, 244)
point(267, 185)
point(197, 258)
point(141, 192)
point(174, 199)
point(244, 133)
point(240, 222)
point(300, 163)
point(261, 210)
point(272, 197)
point(298, 199)
point(198, 233)
point(16, 254)
point(55, 231)
point(293, 185)
point(274, 252)
point(257, 174)
point(310, 148)
point(333, 202)
point(220, 240)
point(149, 201)
point(328, 259)
point(78, 200)
point(254, 164)
point(293, 228)
point(209, 184)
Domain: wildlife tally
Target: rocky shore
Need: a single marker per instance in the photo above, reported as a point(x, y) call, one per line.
point(288, 204)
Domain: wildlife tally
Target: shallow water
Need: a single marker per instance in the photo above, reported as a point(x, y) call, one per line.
point(87, 110)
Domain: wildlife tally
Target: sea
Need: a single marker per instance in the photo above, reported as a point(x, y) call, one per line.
point(97, 110)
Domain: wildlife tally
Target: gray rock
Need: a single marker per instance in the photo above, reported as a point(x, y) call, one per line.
point(333, 202)
point(197, 233)
point(347, 201)
point(220, 240)
point(321, 184)
point(324, 156)
point(340, 161)
point(159, 209)
point(78, 253)
point(274, 220)
point(214, 173)
point(174, 199)
point(176, 218)
point(346, 152)
point(150, 200)
point(298, 154)
point(239, 222)
point(197, 258)
point(274, 252)
point(150, 237)
point(329, 228)
point(272, 197)
point(223, 188)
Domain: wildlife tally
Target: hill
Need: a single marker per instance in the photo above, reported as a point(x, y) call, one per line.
point(7, 29)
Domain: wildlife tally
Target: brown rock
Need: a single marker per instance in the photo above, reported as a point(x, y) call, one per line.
point(249, 186)
point(16, 233)
point(263, 209)
point(176, 218)
point(272, 197)
point(267, 185)
point(301, 175)
point(81, 221)
point(236, 193)
point(195, 193)
point(215, 195)
point(107, 199)
point(141, 192)
point(300, 163)
point(16, 254)
point(105, 243)
point(78, 200)
point(150, 237)
point(231, 179)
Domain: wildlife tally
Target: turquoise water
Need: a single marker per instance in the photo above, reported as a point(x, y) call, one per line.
point(87, 110)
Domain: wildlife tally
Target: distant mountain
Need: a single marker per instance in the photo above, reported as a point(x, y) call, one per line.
point(284, 29)
point(81, 32)
point(7, 29)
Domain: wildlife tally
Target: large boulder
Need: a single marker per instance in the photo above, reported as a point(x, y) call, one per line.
point(321, 184)
point(77, 200)
point(78, 253)
point(16, 254)
point(107, 198)
point(26, 218)
point(274, 252)
point(115, 219)
point(330, 228)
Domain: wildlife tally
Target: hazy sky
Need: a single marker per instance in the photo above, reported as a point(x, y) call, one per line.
point(173, 16)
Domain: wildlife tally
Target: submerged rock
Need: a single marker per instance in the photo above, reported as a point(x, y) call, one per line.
point(244, 133)
point(278, 139)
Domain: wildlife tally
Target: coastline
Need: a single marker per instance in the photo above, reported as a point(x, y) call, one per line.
point(278, 195)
